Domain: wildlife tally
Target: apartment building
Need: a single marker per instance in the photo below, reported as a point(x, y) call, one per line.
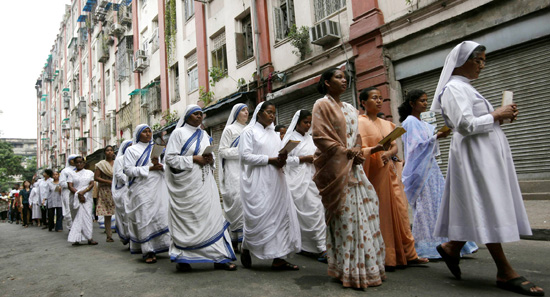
point(116, 64)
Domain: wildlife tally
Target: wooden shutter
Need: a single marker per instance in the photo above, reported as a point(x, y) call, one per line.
point(240, 47)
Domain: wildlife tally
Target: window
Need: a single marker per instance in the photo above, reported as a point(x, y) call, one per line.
point(284, 18)
point(192, 73)
point(107, 83)
point(219, 53)
point(189, 8)
point(244, 42)
point(175, 76)
point(324, 8)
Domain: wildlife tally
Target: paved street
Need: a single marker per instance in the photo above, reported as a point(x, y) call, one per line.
point(35, 262)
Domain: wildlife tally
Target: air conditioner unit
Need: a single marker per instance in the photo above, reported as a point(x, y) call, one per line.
point(66, 100)
point(117, 29)
point(126, 18)
point(143, 101)
point(141, 64)
point(82, 108)
point(65, 126)
point(325, 32)
point(140, 54)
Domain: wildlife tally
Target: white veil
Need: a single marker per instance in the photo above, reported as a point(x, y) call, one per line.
point(191, 108)
point(456, 58)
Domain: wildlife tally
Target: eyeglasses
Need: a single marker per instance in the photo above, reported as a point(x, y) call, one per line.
point(479, 61)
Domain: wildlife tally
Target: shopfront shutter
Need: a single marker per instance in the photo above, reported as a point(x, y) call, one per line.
point(524, 70)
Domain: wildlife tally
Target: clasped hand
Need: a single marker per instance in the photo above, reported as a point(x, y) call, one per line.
point(203, 160)
point(279, 161)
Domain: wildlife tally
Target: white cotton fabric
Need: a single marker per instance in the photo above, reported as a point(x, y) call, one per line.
point(46, 191)
point(482, 200)
point(190, 109)
point(147, 207)
point(65, 192)
point(299, 177)
point(119, 190)
point(229, 172)
point(456, 58)
point(82, 226)
point(197, 226)
point(271, 228)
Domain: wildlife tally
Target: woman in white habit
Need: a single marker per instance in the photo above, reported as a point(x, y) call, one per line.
point(197, 225)
point(482, 200)
point(66, 197)
point(271, 229)
point(229, 171)
point(119, 189)
point(299, 173)
point(81, 183)
point(147, 207)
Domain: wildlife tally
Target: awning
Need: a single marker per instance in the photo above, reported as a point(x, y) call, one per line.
point(225, 101)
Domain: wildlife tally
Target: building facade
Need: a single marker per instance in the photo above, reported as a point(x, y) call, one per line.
point(116, 64)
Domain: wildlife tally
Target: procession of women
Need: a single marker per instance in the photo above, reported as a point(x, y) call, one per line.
point(328, 187)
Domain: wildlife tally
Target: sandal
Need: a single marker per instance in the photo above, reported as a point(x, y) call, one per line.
point(76, 243)
point(323, 257)
point(150, 258)
point(183, 267)
point(246, 260)
point(519, 285)
point(92, 242)
point(284, 266)
point(225, 266)
point(109, 239)
point(418, 261)
point(452, 262)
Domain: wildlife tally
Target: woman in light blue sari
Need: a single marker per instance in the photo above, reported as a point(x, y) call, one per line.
point(422, 178)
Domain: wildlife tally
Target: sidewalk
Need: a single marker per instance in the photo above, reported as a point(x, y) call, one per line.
point(538, 212)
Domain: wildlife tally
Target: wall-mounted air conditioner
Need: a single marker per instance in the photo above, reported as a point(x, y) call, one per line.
point(324, 32)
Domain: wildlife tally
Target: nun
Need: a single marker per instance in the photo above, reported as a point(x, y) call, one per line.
point(229, 171)
point(482, 200)
point(147, 208)
point(271, 229)
point(66, 197)
point(197, 225)
point(119, 189)
point(299, 172)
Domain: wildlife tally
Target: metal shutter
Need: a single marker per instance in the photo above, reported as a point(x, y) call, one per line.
point(287, 109)
point(524, 70)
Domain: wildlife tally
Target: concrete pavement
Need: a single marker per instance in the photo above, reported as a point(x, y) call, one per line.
point(35, 262)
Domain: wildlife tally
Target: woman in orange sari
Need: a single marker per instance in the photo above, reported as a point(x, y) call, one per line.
point(384, 176)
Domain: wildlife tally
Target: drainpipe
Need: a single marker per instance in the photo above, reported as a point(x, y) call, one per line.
point(257, 42)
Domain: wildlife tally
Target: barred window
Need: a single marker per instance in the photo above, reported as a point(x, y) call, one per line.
point(219, 52)
point(324, 8)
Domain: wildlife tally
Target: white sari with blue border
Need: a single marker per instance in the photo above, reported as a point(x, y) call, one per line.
point(147, 206)
point(197, 225)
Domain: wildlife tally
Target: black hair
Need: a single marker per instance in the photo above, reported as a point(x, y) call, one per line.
point(304, 113)
point(405, 108)
point(108, 146)
point(478, 50)
point(266, 105)
point(364, 95)
point(327, 75)
point(279, 127)
point(78, 157)
point(49, 172)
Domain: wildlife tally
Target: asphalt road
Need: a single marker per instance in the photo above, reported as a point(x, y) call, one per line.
point(35, 262)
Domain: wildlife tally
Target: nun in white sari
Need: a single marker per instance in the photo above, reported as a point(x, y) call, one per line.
point(81, 183)
point(197, 225)
point(299, 173)
point(119, 189)
point(66, 197)
point(147, 208)
point(271, 229)
point(229, 170)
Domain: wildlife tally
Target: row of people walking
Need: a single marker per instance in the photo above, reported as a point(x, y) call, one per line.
point(338, 191)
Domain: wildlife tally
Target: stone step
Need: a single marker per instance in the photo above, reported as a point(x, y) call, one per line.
point(536, 196)
point(534, 186)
